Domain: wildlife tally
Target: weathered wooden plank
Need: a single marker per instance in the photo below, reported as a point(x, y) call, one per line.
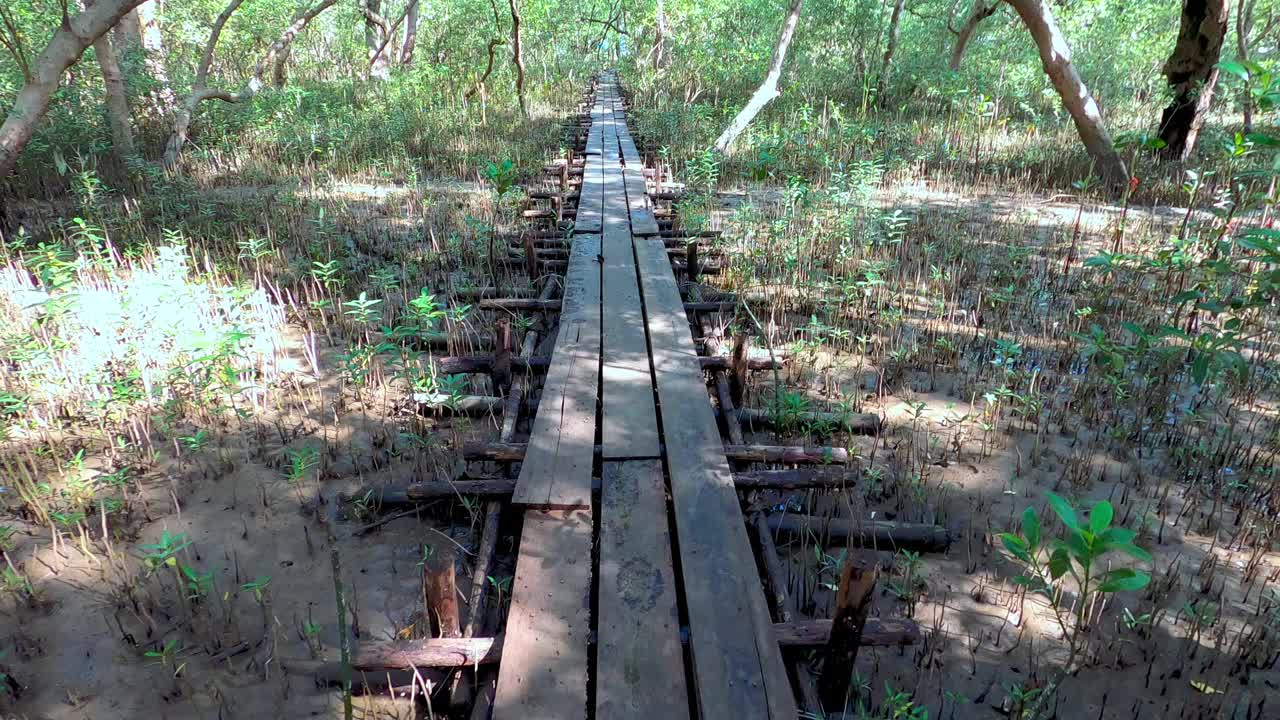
point(556, 472)
point(737, 667)
point(590, 202)
point(629, 421)
point(639, 663)
point(543, 673)
point(643, 222)
point(630, 155)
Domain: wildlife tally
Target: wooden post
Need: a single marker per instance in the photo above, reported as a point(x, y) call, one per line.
point(530, 256)
point(738, 368)
point(857, 583)
point(442, 590)
point(564, 180)
point(502, 357)
point(691, 261)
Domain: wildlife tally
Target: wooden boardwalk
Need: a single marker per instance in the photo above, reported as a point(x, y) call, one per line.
point(625, 375)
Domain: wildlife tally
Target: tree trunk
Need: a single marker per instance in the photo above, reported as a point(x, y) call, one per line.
point(517, 55)
point(66, 46)
point(280, 74)
point(1055, 55)
point(138, 34)
point(660, 36)
point(768, 89)
point(410, 34)
point(891, 47)
point(375, 27)
point(1244, 27)
point(981, 11)
point(1192, 73)
point(117, 101)
point(200, 90)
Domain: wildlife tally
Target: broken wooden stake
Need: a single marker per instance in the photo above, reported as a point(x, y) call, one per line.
point(853, 600)
point(440, 583)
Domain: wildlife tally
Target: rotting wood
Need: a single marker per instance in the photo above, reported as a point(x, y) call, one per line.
point(853, 601)
point(440, 581)
point(877, 534)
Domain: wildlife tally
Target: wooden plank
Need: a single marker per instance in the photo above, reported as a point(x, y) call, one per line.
point(630, 155)
point(639, 663)
point(543, 673)
point(737, 666)
point(629, 420)
point(556, 472)
point(643, 223)
point(590, 201)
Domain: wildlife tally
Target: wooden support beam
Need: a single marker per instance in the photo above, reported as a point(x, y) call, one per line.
point(464, 405)
point(500, 488)
point(877, 534)
point(781, 454)
point(855, 423)
point(466, 652)
point(483, 363)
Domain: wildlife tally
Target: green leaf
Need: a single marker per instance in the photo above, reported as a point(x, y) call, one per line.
point(1059, 563)
point(1016, 546)
point(1134, 552)
point(1031, 527)
point(1100, 517)
point(1234, 68)
point(1117, 536)
point(1064, 510)
point(1124, 579)
point(1079, 548)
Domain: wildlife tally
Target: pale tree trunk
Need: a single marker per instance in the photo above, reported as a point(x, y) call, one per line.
point(1192, 71)
point(139, 31)
point(410, 41)
point(128, 31)
point(200, 90)
point(768, 89)
point(376, 30)
point(280, 74)
point(982, 9)
point(891, 47)
point(1245, 37)
point(660, 36)
point(1244, 28)
point(517, 55)
point(66, 46)
point(117, 101)
point(1055, 56)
